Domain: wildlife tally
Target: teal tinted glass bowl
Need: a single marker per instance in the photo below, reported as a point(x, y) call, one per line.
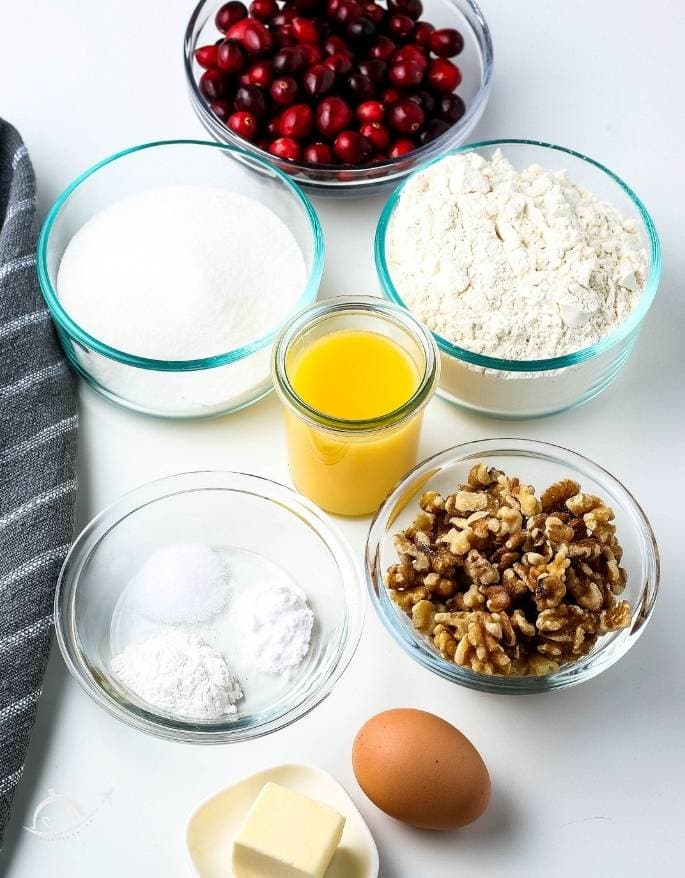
point(175, 388)
point(532, 388)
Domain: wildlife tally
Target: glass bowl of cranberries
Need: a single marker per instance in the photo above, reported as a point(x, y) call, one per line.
point(345, 96)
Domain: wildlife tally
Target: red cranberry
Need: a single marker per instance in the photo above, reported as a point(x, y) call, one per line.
point(391, 96)
point(305, 30)
point(411, 52)
point(412, 8)
point(401, 26)
point(406, 117)
point(252, 100)
point(260, 74)
point(206, 56)
point(272, 127)
point(335, 45)
point(424, 99)
point(332, 116)
point(313, 54)
point(352, 148)
point(346, 12)
point(222, 109)
point(434, 129)
point(283, 91)
point(377, 134)
point(446, 42)
point(318, 154)
point(401, 147)
point(423, 32)
point(370, 111)
point(286, 148)
point(318, 80)
point(296, 121)
point(443, 75)
point(284, 38)
point(285, 16)
point(359, 87)
point(264, 10)
point(339, 63)
point(290, 60)
point(374, 12)
point(262, 143)
point(383, 48)
point(451, 108)
point(231, 56)
point(243, 124)
point(375, 69)
point(256, 38)
point(332, 7)
point(212, 84)
point(360, 30)
point(405, 74)
point(229, 13)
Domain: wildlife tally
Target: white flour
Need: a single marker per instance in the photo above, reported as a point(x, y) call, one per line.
point(515, 265)
point(180, 674)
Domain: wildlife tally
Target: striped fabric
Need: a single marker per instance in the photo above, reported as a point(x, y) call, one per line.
point(38, 424)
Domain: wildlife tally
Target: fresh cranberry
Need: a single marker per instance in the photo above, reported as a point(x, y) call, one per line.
point(346, 12)
point(412, 8)
point(290, 60)
point(339, 63)
point(318, 80)
point(206, 56)
point(401, 26)
point(305, 30)
point(222, 109)
point(391, 96)
point(335, 45)
point(286, 148)
point(352, 148)
point(375, 69)
point(377, 134)
point(318, 154)
point(272, 127)
point(425, 100)
point(333, 115)
point(451, 108)
point(260, 74)
point(231, 56)
point(406, 117)
point(383, 48)
point(401, 147)
point(212, 84)
point(411, 52)
point(423, 32)
point(359, 87)
point(283, 91)
point(256, 38)
point(296, 121)
point(374, 12)
point(443, 75)
point(332, 7)
point(285, 16)
point(229, 13)
point(446, 42)
point(313, 54)
point(243, 124)
point(284, 37)
point(370, 111)
point(360, 30)
point(252, 100)
point(405, 74)
point(434, 129)
point(264, 10)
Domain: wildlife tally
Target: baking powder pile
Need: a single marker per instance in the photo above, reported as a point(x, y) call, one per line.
point(180, 674)
point(518, 265)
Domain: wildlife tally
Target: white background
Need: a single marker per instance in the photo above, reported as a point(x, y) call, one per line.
point(587, 781)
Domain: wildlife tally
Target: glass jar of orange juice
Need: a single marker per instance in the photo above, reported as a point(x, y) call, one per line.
point(354, 374)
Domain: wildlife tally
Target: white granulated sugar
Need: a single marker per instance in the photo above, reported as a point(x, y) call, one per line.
point(185, 583)
point(181, 272)
point(179, 674)
point(277, 625)
point(518, 265)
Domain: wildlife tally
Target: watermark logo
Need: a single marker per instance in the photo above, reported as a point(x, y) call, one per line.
point(58, 816)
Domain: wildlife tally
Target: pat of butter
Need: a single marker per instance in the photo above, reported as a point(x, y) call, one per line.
point(286, 835)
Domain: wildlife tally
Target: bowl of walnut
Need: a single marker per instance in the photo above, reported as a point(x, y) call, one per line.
point(512, 566)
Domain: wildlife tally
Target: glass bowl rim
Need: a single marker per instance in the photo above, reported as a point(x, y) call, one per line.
point(355, 175)
point(77, 333)
point(629, 325)
point(568, 675)
point(327, 308)
point(344, 558)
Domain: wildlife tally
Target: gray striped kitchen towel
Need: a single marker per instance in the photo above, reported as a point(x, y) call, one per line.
point(38, 419)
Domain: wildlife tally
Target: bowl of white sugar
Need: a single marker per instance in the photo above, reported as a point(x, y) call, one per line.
point(170, 267)
point(534, 266)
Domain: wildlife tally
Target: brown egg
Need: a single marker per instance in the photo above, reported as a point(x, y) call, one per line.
point(420, 769)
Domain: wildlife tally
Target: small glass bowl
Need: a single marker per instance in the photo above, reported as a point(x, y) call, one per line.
point(533, 388)
point(475, 62)
point(174, 388)
point(230, 511)
point(539, 464)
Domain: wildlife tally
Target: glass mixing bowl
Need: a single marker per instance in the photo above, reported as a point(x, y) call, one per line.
point(175, 388)
point(475, 62)
point(539, 464)
point(231, 512)
point(532, 388)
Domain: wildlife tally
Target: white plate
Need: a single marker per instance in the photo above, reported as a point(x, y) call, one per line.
point(216, 822)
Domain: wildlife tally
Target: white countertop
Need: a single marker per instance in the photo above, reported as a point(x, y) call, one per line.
point(587, 781)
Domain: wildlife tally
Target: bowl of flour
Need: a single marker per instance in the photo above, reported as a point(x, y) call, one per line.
point(169, 268)
point(533, 266)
